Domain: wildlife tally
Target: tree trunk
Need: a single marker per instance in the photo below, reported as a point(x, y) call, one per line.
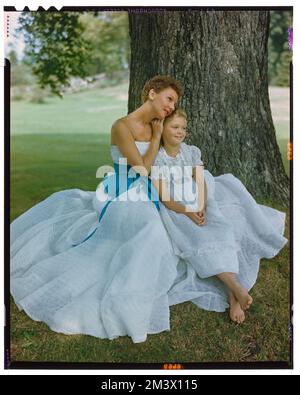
point(221, 59)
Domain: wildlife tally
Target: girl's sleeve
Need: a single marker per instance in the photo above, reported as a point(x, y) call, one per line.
point(196, 156)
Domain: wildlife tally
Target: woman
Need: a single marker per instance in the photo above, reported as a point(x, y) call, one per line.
point(87, 267)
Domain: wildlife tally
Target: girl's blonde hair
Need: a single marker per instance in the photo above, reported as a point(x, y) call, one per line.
point(179, 112)
point(159, 83)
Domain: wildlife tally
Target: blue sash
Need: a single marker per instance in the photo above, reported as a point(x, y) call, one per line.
point(121, 181)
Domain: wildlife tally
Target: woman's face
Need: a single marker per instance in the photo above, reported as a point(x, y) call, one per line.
point(163, 102)
point(174, 131)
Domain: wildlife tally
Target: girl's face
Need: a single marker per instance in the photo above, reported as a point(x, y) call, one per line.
point(163, 102)
point(174, 131)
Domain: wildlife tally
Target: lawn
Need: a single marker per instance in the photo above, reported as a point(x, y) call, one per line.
point(89, 112)
point(60, 145)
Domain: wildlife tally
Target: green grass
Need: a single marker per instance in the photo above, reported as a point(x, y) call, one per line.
point(83, 112)
point(42, 163)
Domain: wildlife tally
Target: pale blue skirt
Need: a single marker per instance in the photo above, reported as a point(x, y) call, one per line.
point(118, 276)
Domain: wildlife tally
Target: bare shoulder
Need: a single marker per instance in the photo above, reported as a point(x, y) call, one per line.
point(119, 124)
point(119, 129)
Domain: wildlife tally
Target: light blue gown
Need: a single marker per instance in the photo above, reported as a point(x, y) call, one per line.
point(118, 276)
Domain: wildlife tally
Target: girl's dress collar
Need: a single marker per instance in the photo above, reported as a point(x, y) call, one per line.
point(178, 155)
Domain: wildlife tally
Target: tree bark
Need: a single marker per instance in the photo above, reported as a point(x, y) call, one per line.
point(221, 59)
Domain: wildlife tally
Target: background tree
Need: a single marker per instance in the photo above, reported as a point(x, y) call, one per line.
point(108, 36)
point(220, 57)
point(12, 55)
point(55, 47)
point(21, 71)
point(279, 54)
point(66, 44)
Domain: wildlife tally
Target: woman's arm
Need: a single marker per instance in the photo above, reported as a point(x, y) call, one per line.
point(128, 149)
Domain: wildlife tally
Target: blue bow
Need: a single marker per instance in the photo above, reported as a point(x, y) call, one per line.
point(120, 182)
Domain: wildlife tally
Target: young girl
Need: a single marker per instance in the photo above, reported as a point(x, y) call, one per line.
point(212, 230)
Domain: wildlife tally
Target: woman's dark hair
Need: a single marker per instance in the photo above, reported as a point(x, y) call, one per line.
point(159, 83)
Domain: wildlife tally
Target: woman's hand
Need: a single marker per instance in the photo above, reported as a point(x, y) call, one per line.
point(157, 127)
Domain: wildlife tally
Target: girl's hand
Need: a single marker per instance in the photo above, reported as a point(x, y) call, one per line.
point(202, 216)
point(157, 127)
point(197, 217)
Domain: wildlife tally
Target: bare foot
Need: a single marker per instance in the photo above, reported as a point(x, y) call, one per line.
point(236, 313)
point(242, 296)
point(240, 293)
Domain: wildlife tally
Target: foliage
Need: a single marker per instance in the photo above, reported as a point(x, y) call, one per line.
point(62, 45)
point(109, 38)
point(66, 44)
point(18, 93)
point(37, 95)
point(21, 74)
point(279, 54)
point(13, 58)
point(55, 46)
